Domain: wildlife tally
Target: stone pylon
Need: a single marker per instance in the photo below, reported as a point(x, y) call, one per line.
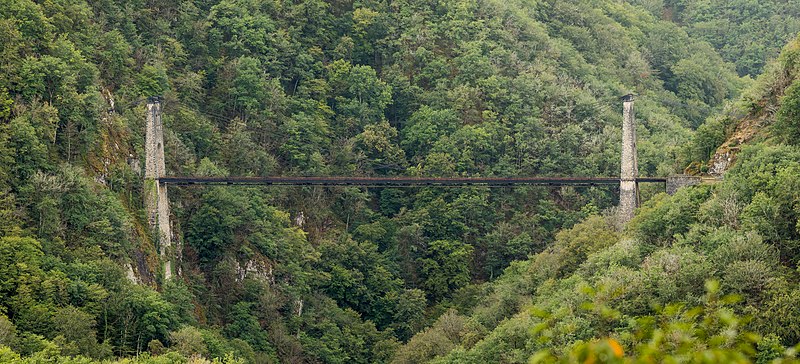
point(628, 188)
point(155, 193)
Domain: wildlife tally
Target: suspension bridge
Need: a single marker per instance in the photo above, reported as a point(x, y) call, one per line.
point(156, 179)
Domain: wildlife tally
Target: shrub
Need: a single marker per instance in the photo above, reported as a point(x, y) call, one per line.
point(749, 277)
point(787, 121)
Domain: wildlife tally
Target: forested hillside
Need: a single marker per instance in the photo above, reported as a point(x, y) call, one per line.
point(366, 88)
point(708, 275)
point(747, 33)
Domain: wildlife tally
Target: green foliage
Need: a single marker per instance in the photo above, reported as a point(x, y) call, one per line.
point(26, 152)
point(695, 82)
point(8, 334)
point(628, 298)
point(776, 316)
point(506, 243)
point(142, 316)
point(786, 121)
point(79, 336)
point(591, 235)
point(5, 104)
point(338, 335)
point(492, 88)
point(660, 219)
point(242, 154)
point(359, 277)
point(376, 145)
point(734, 28)
point(178, 294)
point(152, 80)
point(360, 98)
point(244, 325)
point(709, 333)
point(425, 127)
point(445, 267)
point(449, 331)
point(306, 136)
point(20, 258)
point(710, 135)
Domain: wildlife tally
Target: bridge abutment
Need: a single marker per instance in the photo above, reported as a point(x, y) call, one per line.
point(156, 201)
point(676, 182)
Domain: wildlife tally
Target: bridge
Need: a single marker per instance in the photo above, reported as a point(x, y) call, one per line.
point(404, 181)
point(156, 180)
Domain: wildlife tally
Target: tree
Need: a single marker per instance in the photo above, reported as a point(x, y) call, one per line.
point(249, 85)
point(20, 259)
point(504, 245)
point(307, 138)
point(8, 334)
point(787, 121)
point(659, 220)
point(140, 315)
point(699, 78)
point(244, 325)
point(445, 267)
point(77, 328)
point(211, 228)
point(376, 147)
point(357, 276)
point(242, 155)
point(359, 97)
point(245, 27)
point(28, 153)
point(5, 103)
point(152, 80)
point(425, 127)
point(188, 341)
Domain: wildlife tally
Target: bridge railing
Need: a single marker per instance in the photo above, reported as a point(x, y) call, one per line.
point(404, 181)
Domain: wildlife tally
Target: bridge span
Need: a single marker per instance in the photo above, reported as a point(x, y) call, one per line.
point(403, 181)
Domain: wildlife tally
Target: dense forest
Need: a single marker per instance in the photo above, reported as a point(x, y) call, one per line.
point(746, 33)
point(707, 275)
point(398, 88)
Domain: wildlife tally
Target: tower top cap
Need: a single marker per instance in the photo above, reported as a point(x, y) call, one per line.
point(627, 98)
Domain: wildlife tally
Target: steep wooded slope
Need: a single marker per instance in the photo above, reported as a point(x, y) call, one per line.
point(313, 88)
point(658, 291)
point(745, 32)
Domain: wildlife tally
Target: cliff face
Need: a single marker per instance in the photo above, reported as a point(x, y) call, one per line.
point(749, 119)
point(725, 155)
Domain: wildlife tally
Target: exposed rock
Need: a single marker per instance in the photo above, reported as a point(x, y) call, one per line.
point(721, 161)
point(255, 269)
point(300, 219)
point(130, 274)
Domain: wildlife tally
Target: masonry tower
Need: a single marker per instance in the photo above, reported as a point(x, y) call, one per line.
point(155, 193)
point(628, 188)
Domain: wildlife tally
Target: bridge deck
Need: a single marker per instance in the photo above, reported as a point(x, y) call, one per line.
point(403, 181)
